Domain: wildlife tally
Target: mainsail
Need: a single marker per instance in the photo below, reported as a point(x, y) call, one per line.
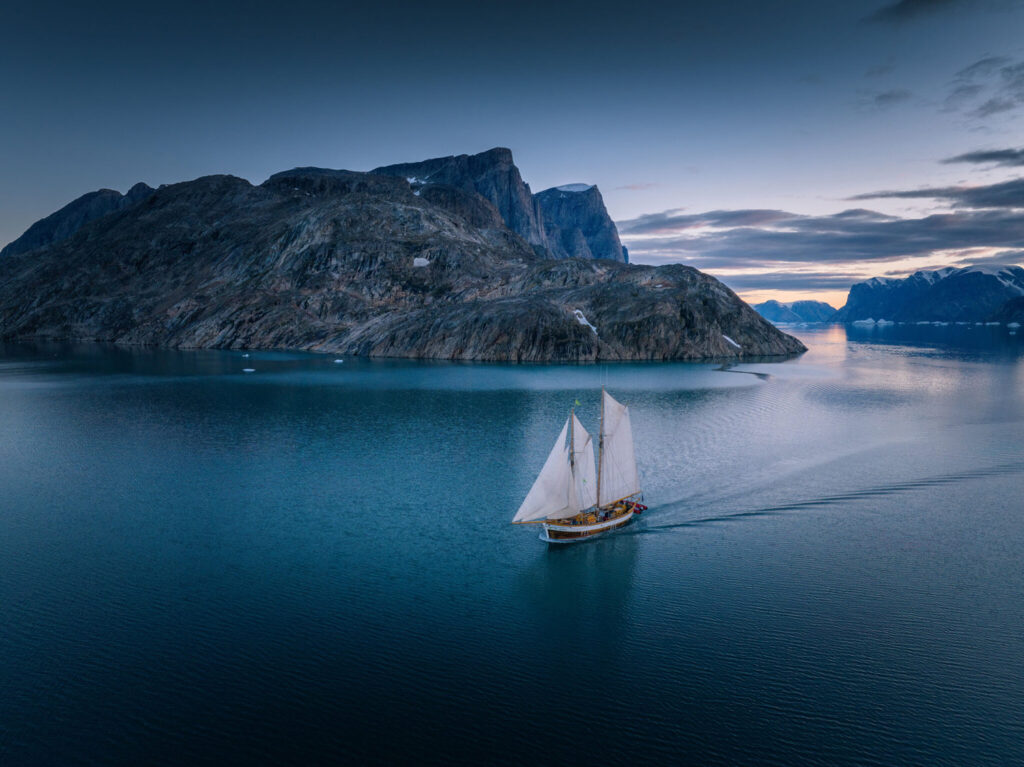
point(583, 465)
point(553, 495)
point(619, 477)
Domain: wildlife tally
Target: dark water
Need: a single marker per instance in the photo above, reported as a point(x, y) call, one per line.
point(312, 563)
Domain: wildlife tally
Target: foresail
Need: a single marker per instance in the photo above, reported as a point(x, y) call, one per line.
point(619, 476)
point(586, 474)
point(549, 498)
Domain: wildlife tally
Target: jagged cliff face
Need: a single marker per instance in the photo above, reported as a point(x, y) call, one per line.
point(359, 263)
point(570, 221)
point(577, 223)
point(971, 294)
point(493, 175)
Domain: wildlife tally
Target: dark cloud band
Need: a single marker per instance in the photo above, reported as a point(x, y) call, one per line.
point(1006, 157)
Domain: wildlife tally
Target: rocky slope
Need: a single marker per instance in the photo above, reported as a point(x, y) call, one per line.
point(360, 263)
point(971, 294)
point(73, 216)
point(797, 311)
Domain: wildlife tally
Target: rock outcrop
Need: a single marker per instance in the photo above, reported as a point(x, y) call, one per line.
point(797, 311)
point(970, 294)
point(73, 216)
point(491, 174)
point(568, 221)
point(577, 223)
point(362, 264)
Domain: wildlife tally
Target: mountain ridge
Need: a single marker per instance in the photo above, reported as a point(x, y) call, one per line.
point(950, 294)
point(360, 263)
point(796, 311)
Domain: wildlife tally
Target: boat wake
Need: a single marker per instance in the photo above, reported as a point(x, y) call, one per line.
point(1014, 467)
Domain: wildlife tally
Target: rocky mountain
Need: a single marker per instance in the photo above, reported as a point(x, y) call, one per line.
point(578, 225)
point(361, 264)
point(73, 216)
point(491, 174)
point(570, 221)
point(970, 294)
point(1011, 311)
point(775, 311)
point(797, 311)
point(814, 311)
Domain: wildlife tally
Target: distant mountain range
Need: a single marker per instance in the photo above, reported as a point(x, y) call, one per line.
point(797, 311)
point(970, 294)
point(449, 258)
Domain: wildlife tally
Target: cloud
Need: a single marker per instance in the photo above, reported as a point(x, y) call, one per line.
point(1007, 194)
point(836, 239)
point(991, 85)
point(982, 67)
point(884, 99)
point(908, 10)
point(891, 97)
point(880, 70)
point(788, 281)
point(638, 187)
point(1002, 257)
point(1008, 157)
point(674, 220)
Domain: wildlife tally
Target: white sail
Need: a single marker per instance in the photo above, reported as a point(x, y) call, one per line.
point(553, 495)
point(619, 477)
point(583, 462)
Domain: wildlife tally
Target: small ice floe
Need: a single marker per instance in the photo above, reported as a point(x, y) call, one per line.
point(246, 354)
point(731, 341)
point(338, 362)
point(580, 318)
point(420, 261)
point(248, 370)
point(993, 323)
point(866, 322)
point(884, 322)
point(1013, 325)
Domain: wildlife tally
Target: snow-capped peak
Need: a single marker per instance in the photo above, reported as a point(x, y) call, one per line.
point(574, 187)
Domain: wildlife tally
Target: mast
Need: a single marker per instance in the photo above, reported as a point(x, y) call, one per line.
point(572, 441)
point(600, 449)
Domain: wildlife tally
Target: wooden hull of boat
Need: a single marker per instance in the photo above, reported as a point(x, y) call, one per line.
point(556, 533)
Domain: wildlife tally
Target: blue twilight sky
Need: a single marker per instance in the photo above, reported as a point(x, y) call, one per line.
point(728, 135)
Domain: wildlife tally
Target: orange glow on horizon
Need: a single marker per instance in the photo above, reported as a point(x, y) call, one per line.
point(836, 298)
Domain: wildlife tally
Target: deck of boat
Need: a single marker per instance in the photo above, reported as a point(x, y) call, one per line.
point(588, 525)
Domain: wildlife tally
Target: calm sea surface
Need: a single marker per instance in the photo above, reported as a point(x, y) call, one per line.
point(312, 563)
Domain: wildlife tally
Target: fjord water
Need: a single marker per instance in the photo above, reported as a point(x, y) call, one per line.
point(312, 562)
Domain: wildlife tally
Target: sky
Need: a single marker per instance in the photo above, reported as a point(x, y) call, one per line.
point(789, 148)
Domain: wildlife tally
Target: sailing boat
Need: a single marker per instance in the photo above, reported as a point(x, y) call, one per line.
point(569, 498)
